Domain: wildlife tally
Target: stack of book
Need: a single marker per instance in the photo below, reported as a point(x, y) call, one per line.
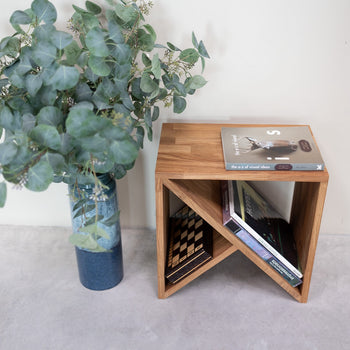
point(251, 218)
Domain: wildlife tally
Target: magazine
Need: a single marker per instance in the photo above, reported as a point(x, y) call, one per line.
point(268, 148)
point(249, 211)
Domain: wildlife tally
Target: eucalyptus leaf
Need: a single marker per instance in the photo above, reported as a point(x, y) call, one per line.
point(156, 70)
point(17, 80)
point(44, 54)
point(145, 40)
point(146, 61)
point(33, 83)
point(3, 194)
point(124, 151)
point(155, 114)
point(202, 50)
point(11, 46)
point(147, 84)
point(72, 52)
point(28, 122)
point(189, 55)
point(46, 136)
point(65, 78)
point(20, 17)
point(172, 47)
point(40, 176)
point(93, 144)
point(44, 32)
point(45, 11)
point(8, 151)
point(56, 161)
point(61, 39)
point(50, 115)
point(8, 120)
point(99, 66)
point(94, 229)
point(93, 8)
point(95, 41)
point(83, 122)
point(24, 65)
point(151, 31)
point(86, 242)
point(179, 104)
point(194, 40)
point(140, 135)
point(148, 117)
point(196, 82)
point(115, 32)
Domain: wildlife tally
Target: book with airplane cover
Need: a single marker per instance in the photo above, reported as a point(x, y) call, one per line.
point(270, 148)
point(190, 244)
point(249, 216)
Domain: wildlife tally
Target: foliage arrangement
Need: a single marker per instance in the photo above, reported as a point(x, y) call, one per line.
point(79, 103)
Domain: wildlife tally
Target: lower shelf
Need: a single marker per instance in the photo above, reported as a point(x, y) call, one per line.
point(204, 197)
point(221, 250)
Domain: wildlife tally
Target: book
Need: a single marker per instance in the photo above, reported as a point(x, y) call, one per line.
point(190, 244)
point(267, 148)
point(250, 217)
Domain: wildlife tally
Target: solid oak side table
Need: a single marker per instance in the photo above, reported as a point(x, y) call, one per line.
point(190, 164)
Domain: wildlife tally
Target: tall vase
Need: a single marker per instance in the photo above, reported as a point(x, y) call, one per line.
point(101, 270)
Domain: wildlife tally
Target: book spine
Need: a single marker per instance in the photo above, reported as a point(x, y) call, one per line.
point(185, 270)
point(253, 244)
point(260, 239)
point(275, 166)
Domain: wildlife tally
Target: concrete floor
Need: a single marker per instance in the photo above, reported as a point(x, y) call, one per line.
point(232, 306)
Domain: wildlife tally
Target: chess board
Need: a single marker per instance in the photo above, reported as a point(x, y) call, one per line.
point(189, 244)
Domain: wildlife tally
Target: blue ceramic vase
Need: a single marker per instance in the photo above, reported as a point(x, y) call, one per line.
point(101, 270)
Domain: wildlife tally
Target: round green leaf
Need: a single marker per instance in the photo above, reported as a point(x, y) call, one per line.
point(195, 82)
point(50, 115)
point(95, 41)
point(44, 54)
point(19, 17)
point(189, 55)
point(83, 122)
point(3, 194)
point(40, 176)
point(93, 8)
point(124, 151)
point(33, 83)
point(115, 33)
point(8, 151)
point(99, 66)
point(45, 11)
point(47, 136)
point(8, 120)
point(61, 39)
point(179, 104)
point(65, 78)
point(148, 85)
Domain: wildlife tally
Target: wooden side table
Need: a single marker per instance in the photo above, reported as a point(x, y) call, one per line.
point(190, 164)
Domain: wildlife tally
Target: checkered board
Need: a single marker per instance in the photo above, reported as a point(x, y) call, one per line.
point(189, 244)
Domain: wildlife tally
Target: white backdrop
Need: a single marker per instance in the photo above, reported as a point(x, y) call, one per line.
point(272, 61)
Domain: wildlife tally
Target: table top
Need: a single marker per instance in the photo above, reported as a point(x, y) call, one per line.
point(194, 151)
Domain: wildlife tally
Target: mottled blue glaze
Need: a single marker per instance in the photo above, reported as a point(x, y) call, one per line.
point(100, 271)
